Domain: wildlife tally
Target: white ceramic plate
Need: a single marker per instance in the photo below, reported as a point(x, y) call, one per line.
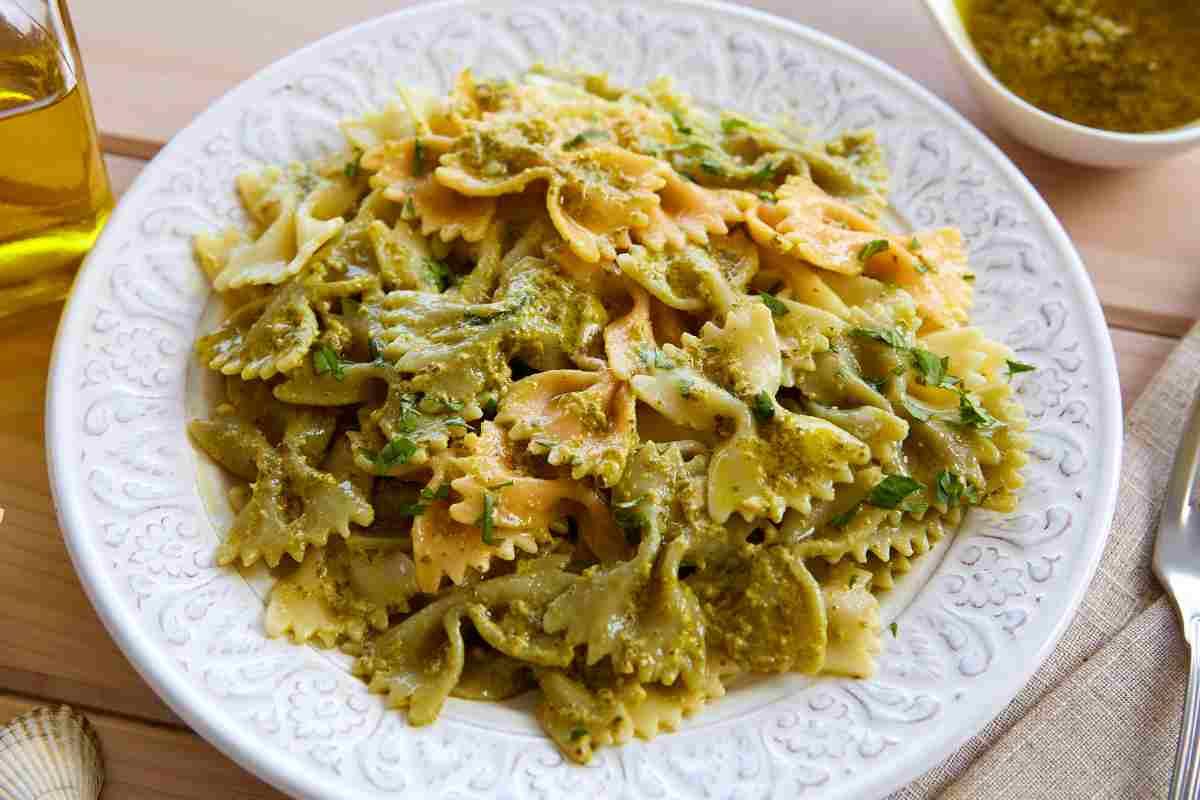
point(970, 635)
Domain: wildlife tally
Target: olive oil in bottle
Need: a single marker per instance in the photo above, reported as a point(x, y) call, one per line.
point(54, 193)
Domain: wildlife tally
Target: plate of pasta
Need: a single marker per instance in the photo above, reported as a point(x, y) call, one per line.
point(465, 406)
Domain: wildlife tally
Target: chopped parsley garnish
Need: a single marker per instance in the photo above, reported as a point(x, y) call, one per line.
point(578, 733)
point(871, 249)
point(973, 415)
point(406, 415)
point(763, 406)
point(427, 496)
point(490, 406)
point(778, 309)
point(711, 167)
point(968, 276)
point(950, 490)
point(395, 453)
point(893, 490)
point(327, 362)
point(418, 163)
point(485, 522)
point(766, 197)
point(353, 166)
point(843, 519)
point(931, 370)
point(731, 124)
point(680, 124)
point(895, 629)
point(580, 139)
point(890, 337)
point(765, 173)
point(1017, 367)
point(914, 245)
point(441, 274)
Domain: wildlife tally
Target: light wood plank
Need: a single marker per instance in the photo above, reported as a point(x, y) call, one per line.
point(1139, 357)
point(147, 762)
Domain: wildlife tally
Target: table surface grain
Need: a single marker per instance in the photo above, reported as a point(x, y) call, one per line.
point(154, 66)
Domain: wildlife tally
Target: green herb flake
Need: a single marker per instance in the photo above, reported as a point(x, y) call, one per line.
point(442, 492)
point(580, 139)
point(895, 629)
point(1017, 367)
point(932, 370)
point(763, 406)
point(353, 166)
point(731, 124)
point(951, 491)
point(843, 519)
point(915, 245)
point(680, 124)
point(409, 210)
point(578, 733)
point(889, 336)
point(453, 405)
point(777, 306)
point(766, 173)
point(395, 453)
point(440, 273)
point(893, 490)
point(711, 167)
point(872, 249)
point(766, 197)
point(490, 406)
point(968, 276)
point(486, 522)
point(973, 415)
point(418, 164)
point(327, 362)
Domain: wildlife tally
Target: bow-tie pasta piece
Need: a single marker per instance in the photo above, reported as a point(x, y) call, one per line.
point(637, 614)
point(405, 169)
point(293, 505)
point(697, 277)
point(264, 337)
point(584, 420)
point(595, 193)
point(808, 225)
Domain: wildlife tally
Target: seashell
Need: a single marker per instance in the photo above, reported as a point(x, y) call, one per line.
point(50, 754)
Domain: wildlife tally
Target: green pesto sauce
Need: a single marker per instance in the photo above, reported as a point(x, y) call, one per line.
point(1121, 65)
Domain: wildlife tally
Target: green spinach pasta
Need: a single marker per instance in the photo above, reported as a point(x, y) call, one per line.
point(552, 385)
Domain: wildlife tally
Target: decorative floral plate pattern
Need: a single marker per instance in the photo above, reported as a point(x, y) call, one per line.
point(125, 475)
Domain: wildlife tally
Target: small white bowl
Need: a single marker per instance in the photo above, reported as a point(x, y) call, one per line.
point(1046, 132)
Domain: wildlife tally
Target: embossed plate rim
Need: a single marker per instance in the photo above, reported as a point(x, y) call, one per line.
point(236, 740)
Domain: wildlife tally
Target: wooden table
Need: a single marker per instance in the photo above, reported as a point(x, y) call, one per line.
point(153, 66)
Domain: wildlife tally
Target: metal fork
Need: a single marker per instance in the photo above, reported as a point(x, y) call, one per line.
point(1177, 565)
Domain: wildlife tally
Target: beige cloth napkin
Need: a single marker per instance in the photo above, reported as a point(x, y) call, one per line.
point(1099, 719)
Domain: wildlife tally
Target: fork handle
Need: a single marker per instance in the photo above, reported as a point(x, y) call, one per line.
point(1185, 780)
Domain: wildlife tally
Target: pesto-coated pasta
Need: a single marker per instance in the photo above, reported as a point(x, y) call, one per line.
point(549, 385)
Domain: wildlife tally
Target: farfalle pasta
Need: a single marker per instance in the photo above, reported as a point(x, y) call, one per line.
point(552, 386)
